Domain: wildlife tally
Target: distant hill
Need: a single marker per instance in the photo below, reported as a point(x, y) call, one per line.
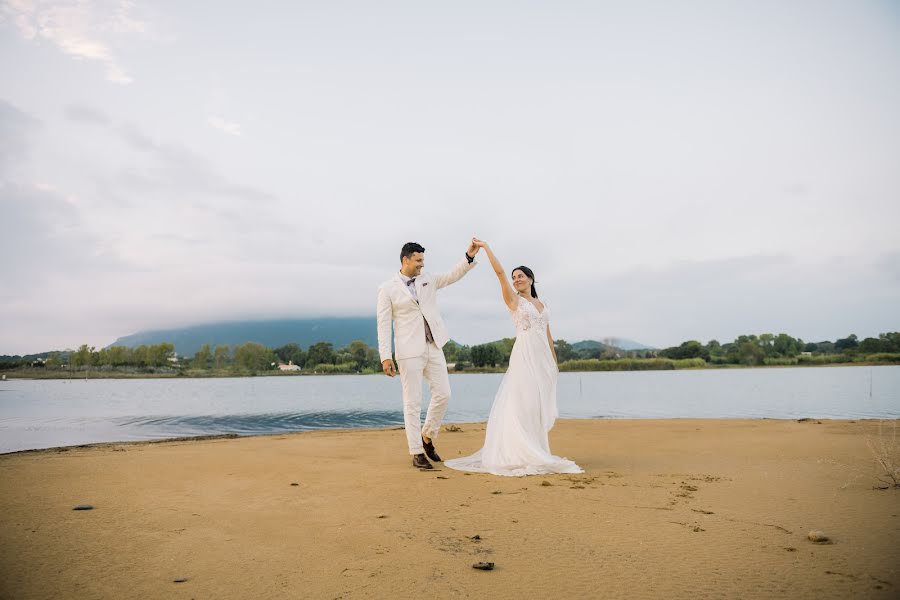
point(340, 331)
point(620, 343)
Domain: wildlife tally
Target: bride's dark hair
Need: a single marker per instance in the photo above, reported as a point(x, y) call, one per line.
point(529, 274)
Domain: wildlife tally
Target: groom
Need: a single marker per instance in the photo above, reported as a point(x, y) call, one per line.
point(409, 299)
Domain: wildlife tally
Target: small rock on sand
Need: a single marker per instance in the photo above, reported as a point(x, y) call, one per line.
point(484, 566)
point(546, 483)
point(83, 507)
point(295, 483)
point(179, 580)
point(818, 537)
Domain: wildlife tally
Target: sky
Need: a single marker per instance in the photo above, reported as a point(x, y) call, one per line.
point(670, 171)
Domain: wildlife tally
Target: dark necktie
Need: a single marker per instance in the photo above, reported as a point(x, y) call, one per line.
point(428, 336)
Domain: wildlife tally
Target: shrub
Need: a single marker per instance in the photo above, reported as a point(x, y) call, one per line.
point(823, 359)
point(886, 357)
point(623, 364)
point(690, 363)
point(341, 368)
point(780, 361)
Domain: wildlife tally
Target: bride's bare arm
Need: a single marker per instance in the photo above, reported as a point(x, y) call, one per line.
point(509, 294)
point(552, 345)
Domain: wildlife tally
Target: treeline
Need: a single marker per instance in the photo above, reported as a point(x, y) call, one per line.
point(782, 349)
point(358, 357)
point(322, 357)
point(159, 355)
point(747, 350)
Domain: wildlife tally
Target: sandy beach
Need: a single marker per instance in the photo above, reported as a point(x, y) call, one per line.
point(665, 509)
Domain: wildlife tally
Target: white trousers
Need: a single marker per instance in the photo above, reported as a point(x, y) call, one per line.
point(433, 367)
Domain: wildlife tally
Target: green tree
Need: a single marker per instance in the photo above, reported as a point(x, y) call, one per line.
point(320, 353)
point(848, 343)
point(119, 356)
point(139, 356)
point(291, 353)
point(689, 349)
point(222, 357)
point(785, 345)
point(714, 348)
point(451, 350)
point(767, 343)
point(505, 347)
point(464, 354)
point(564, 351)
point(486, 354)
point(890, 342)
point(373, 361)
point(54, 360)
point(750, 353)
point(589, 353)
point(825, 347)
point(253, 357)
point(202, 357)
point(82, 356)
point(158, 354)
point(359, 353)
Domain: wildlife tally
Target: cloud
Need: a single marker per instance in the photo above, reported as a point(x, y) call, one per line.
point(223, 125)
point(86, 114)
point(176, 168)
point(889, 265)
point(43, 229)
point(15, 126)
point(84, 30)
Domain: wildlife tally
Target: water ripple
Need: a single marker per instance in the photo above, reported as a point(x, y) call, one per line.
point(259, 423)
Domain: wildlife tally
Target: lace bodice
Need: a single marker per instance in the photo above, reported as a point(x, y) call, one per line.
point(526, 316)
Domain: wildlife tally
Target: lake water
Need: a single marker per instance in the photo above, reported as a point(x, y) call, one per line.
point(49, 413)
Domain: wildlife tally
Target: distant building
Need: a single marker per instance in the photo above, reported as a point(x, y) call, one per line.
point(288, 367)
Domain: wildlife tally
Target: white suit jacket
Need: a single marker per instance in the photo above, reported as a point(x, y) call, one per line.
point(396, 303)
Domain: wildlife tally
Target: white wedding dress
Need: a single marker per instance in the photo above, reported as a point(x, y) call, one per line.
point(524, 409)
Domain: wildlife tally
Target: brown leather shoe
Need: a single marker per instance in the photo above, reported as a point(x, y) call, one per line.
point(429, 450)
point(420, 462)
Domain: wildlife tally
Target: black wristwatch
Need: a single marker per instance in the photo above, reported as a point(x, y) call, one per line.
point(471, 259)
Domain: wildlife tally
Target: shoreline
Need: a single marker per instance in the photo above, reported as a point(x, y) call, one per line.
point(676, 508)
point(17, 375)
point(447, 428)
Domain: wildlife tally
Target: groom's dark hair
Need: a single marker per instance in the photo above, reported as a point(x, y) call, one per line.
point(410, 248)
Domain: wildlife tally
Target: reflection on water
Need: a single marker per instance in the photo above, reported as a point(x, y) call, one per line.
point(42, 414)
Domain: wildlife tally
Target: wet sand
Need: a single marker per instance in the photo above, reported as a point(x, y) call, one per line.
point(666, 509)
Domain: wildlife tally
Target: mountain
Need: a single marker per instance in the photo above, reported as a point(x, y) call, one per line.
point(340, 331)
point(620, 343)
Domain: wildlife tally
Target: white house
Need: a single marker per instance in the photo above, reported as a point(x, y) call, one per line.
point(288, 367)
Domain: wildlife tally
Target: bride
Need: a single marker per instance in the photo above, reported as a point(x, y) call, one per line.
point(524, 408)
